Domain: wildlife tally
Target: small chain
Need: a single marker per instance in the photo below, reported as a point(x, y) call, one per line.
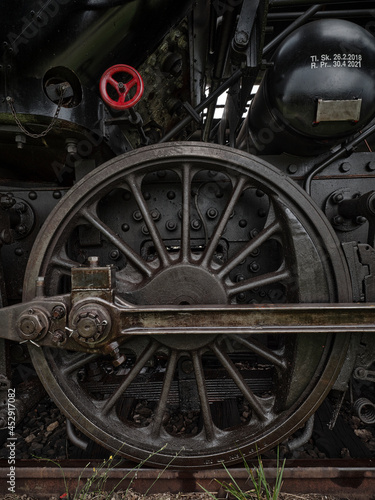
point(10, 101)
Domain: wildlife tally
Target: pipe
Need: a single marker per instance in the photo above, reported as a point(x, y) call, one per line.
point(304, 437)
point(73, 438)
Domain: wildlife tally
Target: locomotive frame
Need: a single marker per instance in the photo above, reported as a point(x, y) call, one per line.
point(173, 265)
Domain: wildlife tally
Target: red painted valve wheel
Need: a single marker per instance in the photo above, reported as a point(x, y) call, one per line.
point(122, 88)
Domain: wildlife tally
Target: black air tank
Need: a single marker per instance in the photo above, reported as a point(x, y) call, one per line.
point(320, 90)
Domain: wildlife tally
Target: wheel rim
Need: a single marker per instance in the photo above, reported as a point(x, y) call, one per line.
point(173, 390)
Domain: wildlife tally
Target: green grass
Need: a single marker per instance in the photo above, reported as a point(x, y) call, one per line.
point(95, 484)
point(262, 490)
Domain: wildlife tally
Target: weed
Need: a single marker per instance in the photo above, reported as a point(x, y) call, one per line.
point(262, 490)
point(96, 482)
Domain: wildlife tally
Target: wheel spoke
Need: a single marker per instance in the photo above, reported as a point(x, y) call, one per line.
point(263, 351)
point(63, 263)
point(162, 404)
point(79, 361)
point(113, 83)
point(239, 187)
point(129, 253)
point(250, 247)
point(240, 382)
point(186, 195)
point(142, 360)
point(202, 391)
point(154, 233)
point(264, 280)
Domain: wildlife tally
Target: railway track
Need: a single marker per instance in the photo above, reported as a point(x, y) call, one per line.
point(349, 479)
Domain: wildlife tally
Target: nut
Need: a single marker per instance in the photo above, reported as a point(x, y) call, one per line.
point(32, 324)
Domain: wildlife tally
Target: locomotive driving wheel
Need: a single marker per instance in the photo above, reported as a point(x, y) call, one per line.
point(189, 224)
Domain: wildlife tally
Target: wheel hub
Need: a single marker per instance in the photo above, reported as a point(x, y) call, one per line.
point(182, 285)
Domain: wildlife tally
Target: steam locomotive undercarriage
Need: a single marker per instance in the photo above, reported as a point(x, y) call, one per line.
point(190, 287)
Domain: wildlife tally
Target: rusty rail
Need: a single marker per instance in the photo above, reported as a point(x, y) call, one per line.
point(354, 479)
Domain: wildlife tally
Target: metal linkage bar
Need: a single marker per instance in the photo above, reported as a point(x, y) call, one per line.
point(98, 326)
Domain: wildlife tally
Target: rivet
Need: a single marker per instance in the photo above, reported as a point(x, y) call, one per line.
point(361, 220)
point(345, 166)
point(33, 195)
point(254, 267)
point(57, 195)
point(196, 224)
point(242, 223)
point(171, 195)
point(125, 227)
point(211, 213)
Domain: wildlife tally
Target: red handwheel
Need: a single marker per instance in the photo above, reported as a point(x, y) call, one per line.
point(129, 78)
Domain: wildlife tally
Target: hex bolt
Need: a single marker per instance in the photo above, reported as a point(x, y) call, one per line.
point(371, 166)
point(93, 261)
point(113, 349)
point(155, 214)
point(71, 146)
point(58, 312)
point(32, 324)
point(253, 233)
point(241, 297)
point(137, 216)
point(170, 225)
point(292, 168)
point(145, 230)
point(59, 337)
point(20, 141)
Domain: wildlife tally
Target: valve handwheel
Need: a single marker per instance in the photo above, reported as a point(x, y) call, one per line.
point(122, 88)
